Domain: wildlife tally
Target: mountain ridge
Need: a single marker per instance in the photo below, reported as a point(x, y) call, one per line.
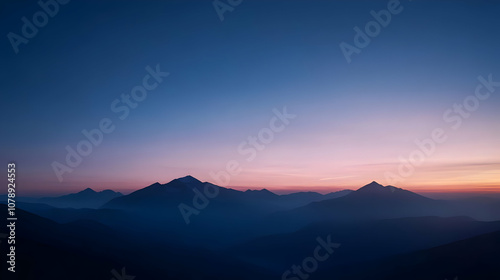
point(87, 198)
point(180, 190)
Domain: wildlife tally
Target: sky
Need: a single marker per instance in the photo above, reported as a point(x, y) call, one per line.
point(270, 70)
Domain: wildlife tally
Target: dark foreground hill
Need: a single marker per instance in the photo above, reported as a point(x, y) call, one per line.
point(361, 241)
point(89, 250)
point(469, 259)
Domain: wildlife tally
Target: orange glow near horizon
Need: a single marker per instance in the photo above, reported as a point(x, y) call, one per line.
point(469, 182)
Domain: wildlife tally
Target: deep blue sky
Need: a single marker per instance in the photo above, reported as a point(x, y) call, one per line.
point(226, 78)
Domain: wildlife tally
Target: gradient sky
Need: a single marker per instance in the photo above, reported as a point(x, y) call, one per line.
point(353, 120)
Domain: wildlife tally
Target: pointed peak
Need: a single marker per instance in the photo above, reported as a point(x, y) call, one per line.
point(373, 186)
point(188, 179)
point(88, 190)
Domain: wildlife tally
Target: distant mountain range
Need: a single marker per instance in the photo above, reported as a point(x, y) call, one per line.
point(181, 191)
point(175, 191)
point(281, 212)
point(371, 201)
point(87, 198)
point(385, 233)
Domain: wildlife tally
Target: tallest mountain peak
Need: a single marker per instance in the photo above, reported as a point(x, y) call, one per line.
point(189, 179)
point(372, 187)
point(374, 184)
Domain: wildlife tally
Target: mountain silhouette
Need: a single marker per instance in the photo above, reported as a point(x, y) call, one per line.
point(375, 190)
point(255, 233)
point(376, 200)
point(370, 202)
point(181, 190)
point(87, 198)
